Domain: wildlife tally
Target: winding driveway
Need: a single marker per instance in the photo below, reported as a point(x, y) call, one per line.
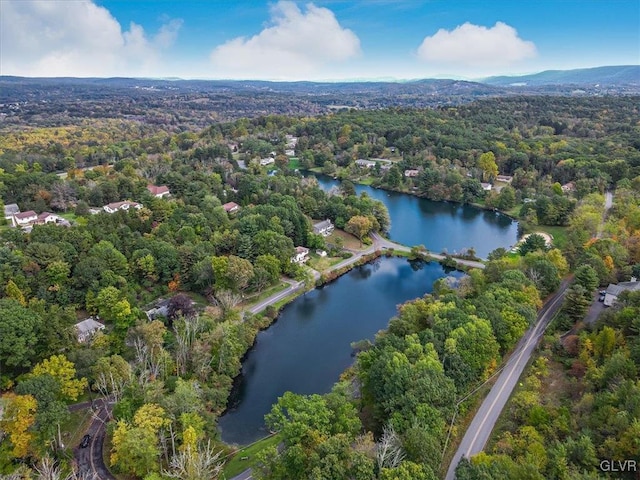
point(485, 419)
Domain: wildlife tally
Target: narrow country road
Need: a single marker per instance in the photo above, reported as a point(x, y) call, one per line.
point(89, 460)
point(608, 203)
point(381, 242)
point(485, 419)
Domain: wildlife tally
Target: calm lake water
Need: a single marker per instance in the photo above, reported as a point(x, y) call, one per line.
point(308, 348)
point(440, 226)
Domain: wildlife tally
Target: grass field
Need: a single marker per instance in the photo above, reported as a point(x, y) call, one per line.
point(294, 163)
point(246, 457)
point(559, 235)
point(253, 299)
point(348, 240)
point(323, 263)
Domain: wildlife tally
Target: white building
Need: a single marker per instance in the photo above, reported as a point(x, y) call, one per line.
point(324, 228)
point(266, 161)
point(88, 328)
point(117, 206)
point(301, 256)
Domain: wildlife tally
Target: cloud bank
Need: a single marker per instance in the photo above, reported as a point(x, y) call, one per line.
point(76, 38)
point(471, 45)
point(296, 44)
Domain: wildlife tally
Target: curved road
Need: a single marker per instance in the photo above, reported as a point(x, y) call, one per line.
point(482, 424)
point(89, 460)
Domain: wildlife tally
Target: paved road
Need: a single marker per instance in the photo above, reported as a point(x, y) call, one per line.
point(482, 424)
point(89, 460)
point(246, 475)
point(381, 242)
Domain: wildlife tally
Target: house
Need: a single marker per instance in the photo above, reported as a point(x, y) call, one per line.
point(386, 167)
point(613, 291)
point(87, 328)
point(11, 210)
point(231, 207)
point(568, 187)
point(117, 206)
point(94, 210)
point(290, 153)
point(486, 186)
point(411, 173)
point(324, 228)
point(365, 163)
point(160, 308)
point(266, 161)
point(504, 178)
point(24, 218)
point(233, 146)
point(301, 256)
point(48, 217)
point(321, 253)
point(159, 191)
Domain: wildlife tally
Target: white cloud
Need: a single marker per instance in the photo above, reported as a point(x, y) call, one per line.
point(296, 45)
point(471, 45)
point(75, 38)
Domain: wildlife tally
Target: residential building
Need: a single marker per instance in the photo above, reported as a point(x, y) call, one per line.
point(11, 210)
point(290, 153)
point(321, 253)
point(159, 191)
point(117, 206)
point(569, 187)
point(324, 228)
point(365, 163)
point(24, 218)
point(411, 173)
point(486, 186)
point(231, 207)
point(613, 291)
point(504, 178)
point(160, 308)
point(87, 328)
point(266, 161)
point(301, 256)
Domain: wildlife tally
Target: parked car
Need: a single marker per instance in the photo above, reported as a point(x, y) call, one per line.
point(84, 443)
point(602, 295)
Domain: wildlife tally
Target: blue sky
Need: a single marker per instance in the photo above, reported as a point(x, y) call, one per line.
point(320, 40)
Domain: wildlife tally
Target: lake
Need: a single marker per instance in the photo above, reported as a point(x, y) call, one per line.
point(440, 226)
point(308, 347)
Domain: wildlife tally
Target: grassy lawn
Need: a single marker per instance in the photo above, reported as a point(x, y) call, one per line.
point(294, 163)
point(559, 235)
point(348, 240)
point(323, 263)
point(255, 298)
point(365, 180)
point(75, 427)
point(73, 218)
point(237, 465)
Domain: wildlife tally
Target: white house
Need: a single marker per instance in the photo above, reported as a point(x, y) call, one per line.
point(365, 163)
point(324, 228)
point(159, 191)
point(411, 173)
point(321, 253)
point(266, 161)
point(117, 206)
point(504, 178)
point(87, 328)
point(301, 256)
point(24, 218)
point(486, 186)
point(290, 153)
point(613, 291)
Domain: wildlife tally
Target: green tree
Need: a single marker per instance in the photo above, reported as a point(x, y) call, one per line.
point(533, 243)
point(359, 226)
point(64, 372)
point(587, 277)
point(19, 337)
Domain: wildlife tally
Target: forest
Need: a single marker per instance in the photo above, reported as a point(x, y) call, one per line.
point(389, 415)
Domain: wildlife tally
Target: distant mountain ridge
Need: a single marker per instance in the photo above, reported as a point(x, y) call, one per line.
point(609, 75)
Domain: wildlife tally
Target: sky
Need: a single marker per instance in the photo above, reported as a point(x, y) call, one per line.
point(319, 40)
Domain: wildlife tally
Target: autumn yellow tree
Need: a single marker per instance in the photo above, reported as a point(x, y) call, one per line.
point(19, 416)
point(64, 372)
